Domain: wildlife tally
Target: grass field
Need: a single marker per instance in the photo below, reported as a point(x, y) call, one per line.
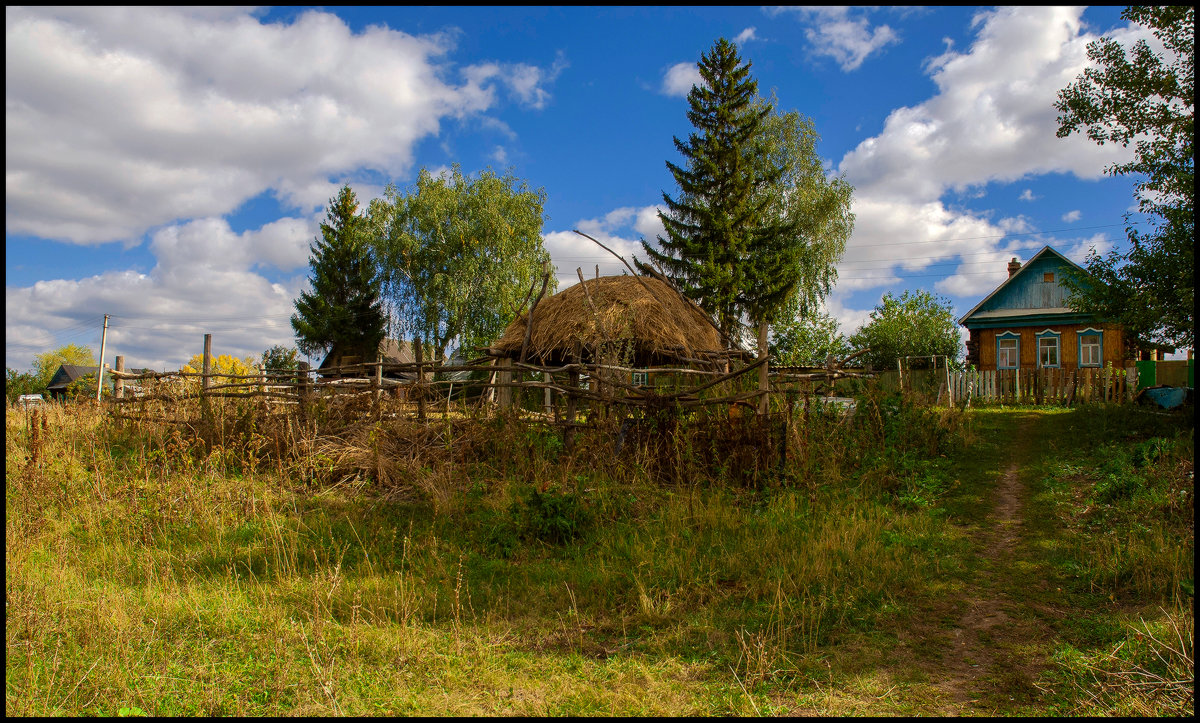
point(903, 561)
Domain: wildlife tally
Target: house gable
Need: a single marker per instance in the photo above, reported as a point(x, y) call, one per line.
point(1027, 322)
point(1034, 294)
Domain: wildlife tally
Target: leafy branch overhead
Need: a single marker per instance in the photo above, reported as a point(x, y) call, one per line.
point(1146, 98)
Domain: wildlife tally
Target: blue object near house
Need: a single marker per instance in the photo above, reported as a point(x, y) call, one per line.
point(1166, 397)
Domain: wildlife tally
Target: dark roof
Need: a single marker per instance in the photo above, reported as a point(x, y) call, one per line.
point(68, 373)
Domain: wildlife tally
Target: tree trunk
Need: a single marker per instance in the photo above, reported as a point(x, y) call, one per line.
point(764, 385)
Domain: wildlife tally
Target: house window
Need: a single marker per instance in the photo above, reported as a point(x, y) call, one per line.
point(1091, 348)
point(1008, 351)
point(1048, 277)
point(1048, 349)
point(641, 379)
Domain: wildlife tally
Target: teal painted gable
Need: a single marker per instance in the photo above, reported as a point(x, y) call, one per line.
point(1029, 291)
point(1027, 298)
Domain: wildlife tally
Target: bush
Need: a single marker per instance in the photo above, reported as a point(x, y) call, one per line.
point(552, 516)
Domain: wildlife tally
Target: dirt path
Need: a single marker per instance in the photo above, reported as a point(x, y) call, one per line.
point(991, 624)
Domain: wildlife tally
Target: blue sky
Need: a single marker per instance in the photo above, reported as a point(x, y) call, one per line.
point(169, 166)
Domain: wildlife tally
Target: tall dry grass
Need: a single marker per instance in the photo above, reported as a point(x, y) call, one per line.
point(335, 561)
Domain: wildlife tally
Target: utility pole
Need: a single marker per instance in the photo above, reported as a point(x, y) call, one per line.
point(100, 374)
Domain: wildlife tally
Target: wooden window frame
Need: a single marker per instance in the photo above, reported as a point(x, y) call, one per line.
point(1099, 336)
point(1045, 336)
point(1009, 336)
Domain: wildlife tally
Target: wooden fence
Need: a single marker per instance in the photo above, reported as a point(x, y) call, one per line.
point(1044, 386)
point(558, 391)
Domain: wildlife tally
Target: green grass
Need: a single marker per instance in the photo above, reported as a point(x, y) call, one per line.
point(383, 570)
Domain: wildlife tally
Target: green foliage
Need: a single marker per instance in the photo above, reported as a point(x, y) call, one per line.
point(280, 358)
point(800, 339)
point(552, 516)
point(45, 365)
point(458, 254)
point(915, 324)
point(1142, 97)
point(17, 383)
point(343, 310)
point(713, 224)
point(85, 387)
point(805, 222)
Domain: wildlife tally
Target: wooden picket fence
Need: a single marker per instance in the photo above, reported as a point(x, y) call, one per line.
point(1044, 386)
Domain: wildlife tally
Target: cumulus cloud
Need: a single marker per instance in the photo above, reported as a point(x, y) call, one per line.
point(119, 120)
point(204, 282)
point(842, 33)
point(679, 79)
point(1072, 216)
point(621, 230)
point(1027, 195)
point(980, 127)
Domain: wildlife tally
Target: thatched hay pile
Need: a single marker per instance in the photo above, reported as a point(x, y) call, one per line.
point(657, 326)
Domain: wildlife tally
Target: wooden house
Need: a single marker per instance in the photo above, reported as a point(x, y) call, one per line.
point(70, 373)
point(1026, 323)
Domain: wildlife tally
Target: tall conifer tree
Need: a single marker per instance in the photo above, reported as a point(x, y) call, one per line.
point(343, 309)
point(714, 226)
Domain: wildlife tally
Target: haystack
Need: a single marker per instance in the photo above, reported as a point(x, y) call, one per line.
point(641, 318)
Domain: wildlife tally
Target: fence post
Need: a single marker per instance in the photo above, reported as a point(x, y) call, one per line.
point(419, 356)
point(505, 393)
point(302, 367)
point(547, 398)
point(207, 366)
point(572, 400)
point(118, 380)
point(378, 383)
point(764, 384)
point(262, 387)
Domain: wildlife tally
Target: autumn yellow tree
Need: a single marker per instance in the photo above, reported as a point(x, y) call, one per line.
point(223, 369)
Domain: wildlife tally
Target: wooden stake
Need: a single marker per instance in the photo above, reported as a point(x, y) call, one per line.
point(419, 355)
point(118, 380)
point(207, 368)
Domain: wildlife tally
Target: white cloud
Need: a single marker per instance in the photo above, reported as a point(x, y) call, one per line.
point(745, 36)
point(621, 230)
point(203, 282)
point(833, 32)
point(679, 79)
point(1072, 216)
point(980, 127)
point(119, 120)
point(1027, 195)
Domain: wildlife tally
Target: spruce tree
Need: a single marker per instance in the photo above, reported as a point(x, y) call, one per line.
point(343, 310)
point(714, 227)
